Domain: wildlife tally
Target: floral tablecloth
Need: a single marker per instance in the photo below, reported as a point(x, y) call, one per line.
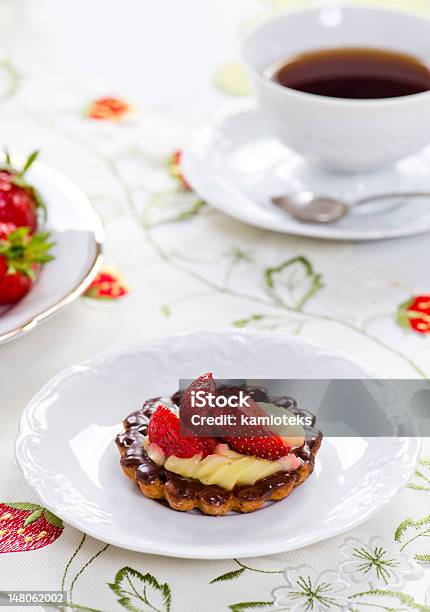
point(175, 264)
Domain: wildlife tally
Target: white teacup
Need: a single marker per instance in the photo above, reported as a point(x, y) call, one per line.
point(342, 134)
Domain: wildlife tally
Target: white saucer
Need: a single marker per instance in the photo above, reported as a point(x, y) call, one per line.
point(236, 165)
point(77, 232)
point(66, 450)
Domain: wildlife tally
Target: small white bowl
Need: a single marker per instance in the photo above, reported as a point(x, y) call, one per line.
point(342, 134)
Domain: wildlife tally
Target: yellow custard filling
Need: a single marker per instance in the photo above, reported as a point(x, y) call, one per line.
point(227, 468)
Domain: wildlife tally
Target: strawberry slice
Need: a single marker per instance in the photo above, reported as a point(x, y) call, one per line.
point(203, 383)
point(188, 447)
point(270, 447)
point(164, 430)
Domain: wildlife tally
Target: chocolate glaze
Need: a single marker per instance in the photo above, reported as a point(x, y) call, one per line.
point(130, 444)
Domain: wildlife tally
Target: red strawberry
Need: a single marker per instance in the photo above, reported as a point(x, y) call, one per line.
point(164, 430)
point(415, 314)
point(205, 384)
point(270, 447)
point(108, 285)
point(19, 201)
point(188, 447)
point(25, 526)
point(21, 255)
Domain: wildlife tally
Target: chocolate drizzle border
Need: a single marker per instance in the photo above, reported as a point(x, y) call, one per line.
point(148, 474)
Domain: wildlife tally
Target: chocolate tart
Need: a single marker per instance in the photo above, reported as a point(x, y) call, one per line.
point(185, 494)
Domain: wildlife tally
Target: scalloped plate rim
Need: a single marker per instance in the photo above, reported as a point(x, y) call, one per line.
point(26, 430)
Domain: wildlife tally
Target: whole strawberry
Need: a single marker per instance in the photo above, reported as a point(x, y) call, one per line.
point(21, 256)
point(25, 526)
point(415, 314)
point(20, 202)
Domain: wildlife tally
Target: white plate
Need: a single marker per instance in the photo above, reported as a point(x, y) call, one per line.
point(66, 450)
point(236, 165)
point(78, 233)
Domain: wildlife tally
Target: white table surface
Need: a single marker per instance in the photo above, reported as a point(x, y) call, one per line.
point(162, 57)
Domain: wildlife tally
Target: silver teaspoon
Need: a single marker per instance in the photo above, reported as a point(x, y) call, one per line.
point(307, 207)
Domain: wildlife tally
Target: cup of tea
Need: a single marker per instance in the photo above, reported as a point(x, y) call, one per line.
point(346, 87)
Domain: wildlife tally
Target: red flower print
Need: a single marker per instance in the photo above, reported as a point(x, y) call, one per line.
point(175, 170)
point(108, 285)
point(415, 314)
point(105, 109)
point(25, 526)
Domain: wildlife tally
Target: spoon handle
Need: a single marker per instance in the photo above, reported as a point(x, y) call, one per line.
point(390, 196)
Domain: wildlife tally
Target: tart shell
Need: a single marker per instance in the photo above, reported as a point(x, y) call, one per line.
point(185, 494)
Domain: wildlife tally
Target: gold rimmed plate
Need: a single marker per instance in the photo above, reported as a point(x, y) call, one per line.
point(78, 234)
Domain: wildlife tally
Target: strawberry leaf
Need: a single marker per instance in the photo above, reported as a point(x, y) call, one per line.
point(23, 506)
point(18, 181)
point(29, 162)
point(53, 519)
point(7, 158)
point(22, 251)
point(34, 516)
point(402, 315)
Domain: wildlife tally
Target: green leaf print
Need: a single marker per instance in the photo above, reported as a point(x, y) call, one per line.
point(293, 283)
point(228, 575)
point(409, 531)
point(250, 605)
point(140, 592)
point(391, 601)
point(171, 207)
point(422, 477)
